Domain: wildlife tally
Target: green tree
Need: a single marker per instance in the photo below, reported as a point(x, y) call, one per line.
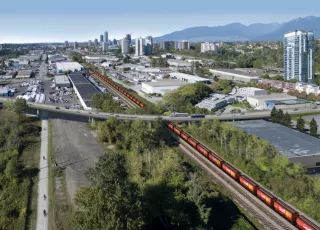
point(313, 128)
point(112, 202)
point(300, 124)
point(11, 170)
point(47, 60)
point(287, 120)
point(20, 105)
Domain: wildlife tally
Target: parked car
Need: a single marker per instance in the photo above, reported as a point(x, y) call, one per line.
point(314, 107)
point(57, 108)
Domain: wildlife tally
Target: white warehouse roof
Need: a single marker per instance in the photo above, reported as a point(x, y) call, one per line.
point(164, 83)
point(66, 66)
point(61, 79)
point(188, 78)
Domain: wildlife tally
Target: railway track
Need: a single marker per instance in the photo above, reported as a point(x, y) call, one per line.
point(269, 219)
point(125, 100)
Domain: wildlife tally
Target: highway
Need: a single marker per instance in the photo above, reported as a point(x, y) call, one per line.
point(251, 204)
point(99, 115)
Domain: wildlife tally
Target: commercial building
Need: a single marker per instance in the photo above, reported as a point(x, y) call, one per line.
point(297, 146)
point(69, 66)
point(189, 78)
point(66, 44)
point(183, 45)
point(216, 101)
point(75, 45)
point(89, 43)
point(100, 58)
point(299, 55)
point(96, 42)
point(128, 36)
point(61, 81)
point(139, 46)
point(24, 74)
point(161, 86)
point(251, 91)
point(148, 45)
point(8, 75)
point(105, 42)
point(101, 39)
point(56, 58)
point(207, 46)
point(84, 89)
point(278, 99)
point(236, 75)
point(125, 45)
point(115, 42)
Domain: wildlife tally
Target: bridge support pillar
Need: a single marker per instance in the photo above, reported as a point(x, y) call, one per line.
point(38, 112)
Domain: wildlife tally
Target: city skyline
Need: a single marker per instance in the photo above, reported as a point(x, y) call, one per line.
point(74, 22)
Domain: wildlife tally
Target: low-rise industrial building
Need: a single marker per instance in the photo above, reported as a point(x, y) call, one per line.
point(24, 74)
point(100, 58)
point(251, 91)
point(236, 75)
point(84, 89)
point(189, 78)
point(297, 146)
point(68, 66)
point(8, 75)
point(61, 81)
point(259, 101)
point(161, 86)
point(56, 58)
point(216, 101)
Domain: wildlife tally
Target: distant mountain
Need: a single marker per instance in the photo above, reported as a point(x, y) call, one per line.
point(240, 32)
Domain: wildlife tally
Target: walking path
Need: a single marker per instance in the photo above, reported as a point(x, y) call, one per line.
point(42, 221)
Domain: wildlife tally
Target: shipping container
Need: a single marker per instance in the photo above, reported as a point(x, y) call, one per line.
point(248, 184)
point(192, 142)
point(184, 136)
point(231, 171)
point(284, 210)
point(215, 159)
point(203, 150)
point(265, 196)
point(305, 224)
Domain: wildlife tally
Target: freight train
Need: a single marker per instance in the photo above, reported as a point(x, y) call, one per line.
point(273, 202)
point(119, 89)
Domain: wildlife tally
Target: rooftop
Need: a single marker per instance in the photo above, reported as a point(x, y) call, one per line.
point(189, 77)
point(166, 83)
point(61, 79)
point(274, 96)
point(25, 72)
point(250, 74)
point(288, 141)
point(84, 87)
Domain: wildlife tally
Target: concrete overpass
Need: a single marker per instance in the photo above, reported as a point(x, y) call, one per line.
point(45, 110)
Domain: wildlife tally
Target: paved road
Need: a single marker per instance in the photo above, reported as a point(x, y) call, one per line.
point(42, 221)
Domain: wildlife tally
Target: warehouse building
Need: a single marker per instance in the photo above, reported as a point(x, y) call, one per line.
point(62, 81)
point(297, 146)
point(69, 66)
point(161, 86)
point(56, 58)
point(259, 100)
point(179, 63)
point(84, 89)
point(236, 75)
point(251, 91)
point(100, 58)
point(24, 74)
point(189, 78)
point(8, 75)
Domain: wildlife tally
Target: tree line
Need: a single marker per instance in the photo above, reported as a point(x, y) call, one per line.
point(143, 183)
point(263, 162)
point(17, 134)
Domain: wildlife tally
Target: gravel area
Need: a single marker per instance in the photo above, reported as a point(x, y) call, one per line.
point(76, 148)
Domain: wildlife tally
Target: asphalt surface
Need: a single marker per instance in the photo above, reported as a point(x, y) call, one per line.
point(43, 204)
point(75, 149)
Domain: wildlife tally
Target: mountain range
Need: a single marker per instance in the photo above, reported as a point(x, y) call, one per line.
point(239, 32)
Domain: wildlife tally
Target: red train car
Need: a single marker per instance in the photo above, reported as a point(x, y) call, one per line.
point(192, 142)
point(215, 159)
point(265, 196)
point(203, 150)
point(141, 104)
point(284, 210)
point(171, 126)
point(184, 136)
point(177, 130)
point(231, 171)
point(248, 184)
point(305, 224)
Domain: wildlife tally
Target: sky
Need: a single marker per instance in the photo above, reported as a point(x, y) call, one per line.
point(27, 21)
